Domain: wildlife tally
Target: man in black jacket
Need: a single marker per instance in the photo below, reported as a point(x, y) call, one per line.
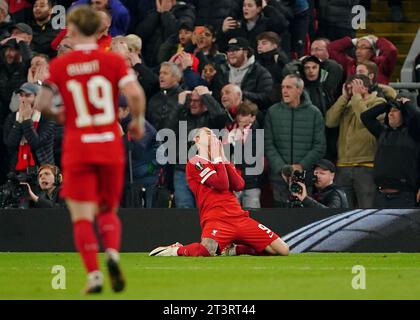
point(242, 69)
point(43, 31)
point(397, 159)
point(327, 195)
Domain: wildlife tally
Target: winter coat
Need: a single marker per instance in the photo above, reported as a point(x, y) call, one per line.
point(355, 143)
point(293, 136)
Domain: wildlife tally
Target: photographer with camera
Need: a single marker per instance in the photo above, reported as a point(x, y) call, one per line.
point(49, 181)
point(327, 195)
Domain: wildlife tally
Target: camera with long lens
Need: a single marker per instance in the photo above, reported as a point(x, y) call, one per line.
point(297, 176)
point(14, 195)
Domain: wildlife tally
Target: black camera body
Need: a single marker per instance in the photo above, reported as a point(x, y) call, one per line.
point(15, 195)
point(297, 176)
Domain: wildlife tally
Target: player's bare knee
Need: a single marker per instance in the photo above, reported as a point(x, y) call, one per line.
point(211, 245)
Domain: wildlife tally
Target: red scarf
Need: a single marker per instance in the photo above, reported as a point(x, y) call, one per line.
point(25, 157)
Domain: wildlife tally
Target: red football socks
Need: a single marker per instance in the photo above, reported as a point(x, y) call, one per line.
point(193, 250)
point(110, 230)
point(241, 249)
point(86, 244)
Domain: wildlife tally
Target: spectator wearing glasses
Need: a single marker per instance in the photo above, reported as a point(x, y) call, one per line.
point(369, 48)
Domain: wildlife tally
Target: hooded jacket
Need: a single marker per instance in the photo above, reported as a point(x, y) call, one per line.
point(397, 159)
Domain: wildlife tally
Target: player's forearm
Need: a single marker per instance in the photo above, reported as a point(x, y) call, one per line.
point(218, 180)
point(236, 182)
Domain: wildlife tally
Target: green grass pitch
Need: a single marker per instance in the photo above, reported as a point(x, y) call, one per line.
point(299, 276)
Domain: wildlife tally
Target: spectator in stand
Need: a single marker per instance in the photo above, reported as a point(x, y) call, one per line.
point(356, 146)
point(159, 25)
point(15, 55)
point(243, 70)
point(37, 73)
point(22, 31)
point(334, 71)
point(145, 75)
point(188, 64)
point(206, 50)
point(271, 56)
point(28, 136)
point(294, 136)
point(5, 22)
point(231, 98)
point(20, 10)
point(335, 19)
point(368, 48)
point(197, 109)
point(370, 69)
point(214, 12)
point(314, 84)
point(243, 138)
point(142, 157)
point(163, 109)
point(66, 45)
point(176, 43)
point(43, 31)
point(397, 160)
point(257, 16)
point(119, 13)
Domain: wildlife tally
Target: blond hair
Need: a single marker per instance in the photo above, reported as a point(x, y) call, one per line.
point(134, 43)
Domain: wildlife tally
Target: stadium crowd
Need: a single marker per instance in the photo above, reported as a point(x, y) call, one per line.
point(332, 124)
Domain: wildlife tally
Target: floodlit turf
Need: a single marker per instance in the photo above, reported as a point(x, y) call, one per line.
point(303, 276)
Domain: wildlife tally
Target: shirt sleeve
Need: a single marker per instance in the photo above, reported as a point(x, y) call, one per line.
point(210, 175)
point(236, 182)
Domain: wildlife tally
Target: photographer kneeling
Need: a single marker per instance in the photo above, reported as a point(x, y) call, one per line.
point(49, 181)
point(327, 195)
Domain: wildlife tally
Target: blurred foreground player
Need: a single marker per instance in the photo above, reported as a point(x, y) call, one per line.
point(226, 227)
point(93, 154)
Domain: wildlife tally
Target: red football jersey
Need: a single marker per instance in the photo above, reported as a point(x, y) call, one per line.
point(212, 185)
point(88, 80)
